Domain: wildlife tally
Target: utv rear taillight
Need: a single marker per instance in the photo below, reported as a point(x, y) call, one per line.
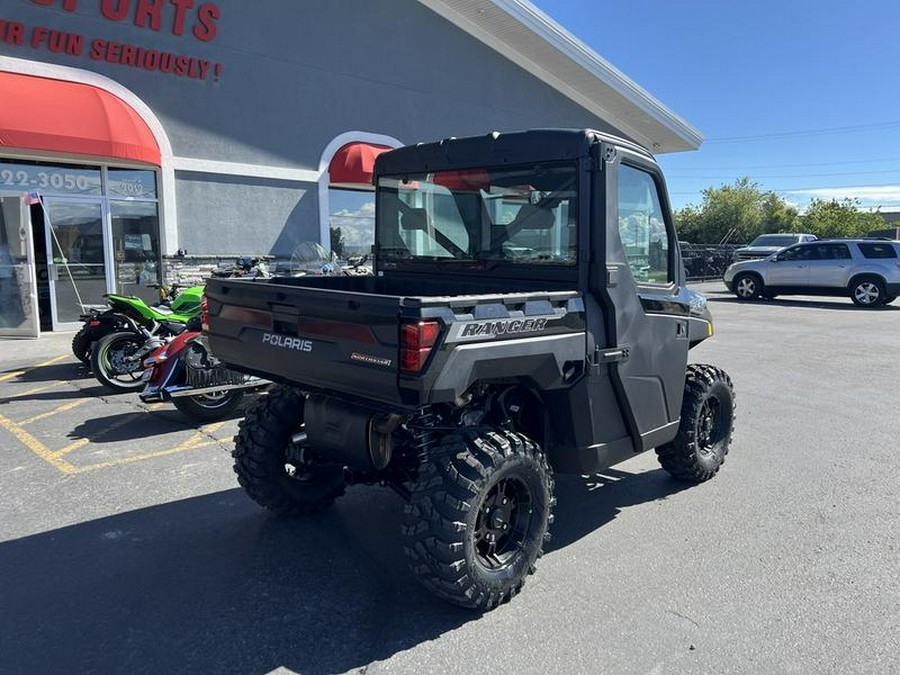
point(204, 313)
point(416, 341)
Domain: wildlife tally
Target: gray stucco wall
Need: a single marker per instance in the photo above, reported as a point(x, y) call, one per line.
point(294, 75)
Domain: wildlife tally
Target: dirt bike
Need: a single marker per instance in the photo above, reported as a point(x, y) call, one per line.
point(186, 373)
point(129, 313)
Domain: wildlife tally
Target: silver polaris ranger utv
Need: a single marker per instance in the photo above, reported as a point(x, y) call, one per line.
point(527, 316)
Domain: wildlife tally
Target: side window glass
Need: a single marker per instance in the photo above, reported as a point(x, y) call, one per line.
point(642, 227)
point(807, 253)
point(840, 252)
point(825, 252)
point(789, 254)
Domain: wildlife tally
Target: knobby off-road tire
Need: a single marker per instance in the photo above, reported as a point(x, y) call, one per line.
point(478, 517)
point(707, 420)
point(81, 344)
point(208, 408)
point(261, 458)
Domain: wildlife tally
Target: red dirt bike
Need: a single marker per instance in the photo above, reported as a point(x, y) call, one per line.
point(186, 373)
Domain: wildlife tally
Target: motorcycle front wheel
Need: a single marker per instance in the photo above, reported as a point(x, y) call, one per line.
point(113, 362)
point(209, 407)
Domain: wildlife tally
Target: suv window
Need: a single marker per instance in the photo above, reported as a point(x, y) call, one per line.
point(800, 252)
point(831, 252)
point(878, 250)
point(642, 227)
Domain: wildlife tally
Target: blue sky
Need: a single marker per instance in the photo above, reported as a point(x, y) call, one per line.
point(803, 97)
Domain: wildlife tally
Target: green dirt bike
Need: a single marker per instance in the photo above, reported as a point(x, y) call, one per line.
point(129, 313)
point(116, 340)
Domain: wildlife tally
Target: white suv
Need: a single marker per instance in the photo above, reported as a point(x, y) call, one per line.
point(866, 270)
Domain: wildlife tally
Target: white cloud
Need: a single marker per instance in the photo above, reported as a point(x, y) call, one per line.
point(357, 226)
point(869, 196)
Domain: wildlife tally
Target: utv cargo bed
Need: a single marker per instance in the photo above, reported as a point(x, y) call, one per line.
point(343, 333)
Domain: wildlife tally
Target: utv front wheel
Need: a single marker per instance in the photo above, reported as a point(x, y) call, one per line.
point(478, 517)
point(707, 420)
point(271, 469)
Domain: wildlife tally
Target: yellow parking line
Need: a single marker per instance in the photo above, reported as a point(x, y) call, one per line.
point(55, 411)
point(201, 436)
point(36, 446)
point(16, 373)
point(193, 443)
point(53, 360)
point(35, 390)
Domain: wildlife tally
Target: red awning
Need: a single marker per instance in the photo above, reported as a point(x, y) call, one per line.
point(353, 165)
point(43, 114)
point(466, 180)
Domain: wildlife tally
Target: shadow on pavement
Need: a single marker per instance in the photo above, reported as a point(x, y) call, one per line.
point(74, 370)
point(584, 504)
point(846, 306)
point(214, 584)
point(130, 426)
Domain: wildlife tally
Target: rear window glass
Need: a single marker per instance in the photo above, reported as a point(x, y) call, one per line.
point(878, 250)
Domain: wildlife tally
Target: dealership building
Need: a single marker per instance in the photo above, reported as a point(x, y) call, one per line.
point(143, 138)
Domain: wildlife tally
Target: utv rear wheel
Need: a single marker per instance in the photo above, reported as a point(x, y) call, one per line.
point(707, 420)
point(269, 466)
point(747, 286)
point(478, 516)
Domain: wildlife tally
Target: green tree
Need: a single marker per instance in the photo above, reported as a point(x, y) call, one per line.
point(737, 213)
point(337, 241)
point(833, 218)
point(777, 215)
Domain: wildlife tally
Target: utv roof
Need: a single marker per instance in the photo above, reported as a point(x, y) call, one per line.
point(496, 149)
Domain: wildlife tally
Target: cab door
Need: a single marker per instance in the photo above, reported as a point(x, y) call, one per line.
point(646, 311)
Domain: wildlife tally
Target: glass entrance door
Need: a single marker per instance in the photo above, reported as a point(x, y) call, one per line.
point(19, 315)
point(77, 265)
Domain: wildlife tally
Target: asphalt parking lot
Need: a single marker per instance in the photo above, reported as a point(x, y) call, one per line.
point(126, 547)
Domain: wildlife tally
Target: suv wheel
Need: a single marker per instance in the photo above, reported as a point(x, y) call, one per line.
point(707, 420)
point(266, 461)
point(867, 292)
point(478, 516)
point(747, 286)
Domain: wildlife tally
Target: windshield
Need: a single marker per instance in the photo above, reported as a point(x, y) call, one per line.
point(519, 216)
point(775, 240)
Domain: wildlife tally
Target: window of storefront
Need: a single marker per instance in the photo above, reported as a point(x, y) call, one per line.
point(351, 219)
point(100, 231)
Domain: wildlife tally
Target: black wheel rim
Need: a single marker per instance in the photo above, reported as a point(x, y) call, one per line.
point(711, 427)
point(117, 368)
point(504, 523)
